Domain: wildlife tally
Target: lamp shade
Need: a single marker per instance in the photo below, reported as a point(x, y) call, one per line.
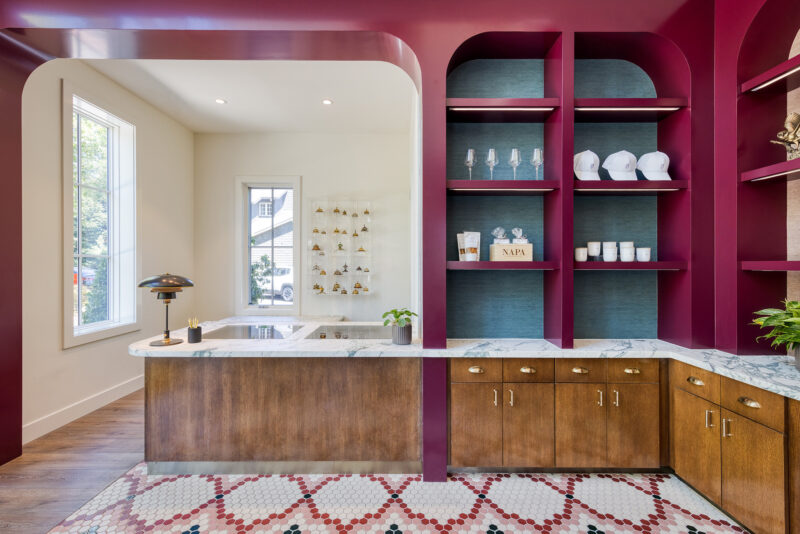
point(166, 280)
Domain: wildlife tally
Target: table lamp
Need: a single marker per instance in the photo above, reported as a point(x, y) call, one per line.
point(166, 286)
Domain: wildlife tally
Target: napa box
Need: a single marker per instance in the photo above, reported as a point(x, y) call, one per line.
point(518, 252)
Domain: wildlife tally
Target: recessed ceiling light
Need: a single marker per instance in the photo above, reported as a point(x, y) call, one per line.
point(327, 101)
point(221, 101)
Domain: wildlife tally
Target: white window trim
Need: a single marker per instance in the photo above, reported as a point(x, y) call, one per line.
point(105, 329)
point(242, 285)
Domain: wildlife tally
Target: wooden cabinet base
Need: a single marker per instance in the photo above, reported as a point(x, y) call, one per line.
point(282, 409)
point(753, 474)
point(696, 443)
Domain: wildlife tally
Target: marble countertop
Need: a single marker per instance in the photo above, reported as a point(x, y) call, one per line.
point(769, 372)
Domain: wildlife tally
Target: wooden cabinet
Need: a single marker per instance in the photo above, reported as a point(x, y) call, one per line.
point(633, 425)
point(753, 473)
point(696, 443)
point(476, 424)
point(528, 430)
point(581, 425)
point(697, 381)
point(591, 370)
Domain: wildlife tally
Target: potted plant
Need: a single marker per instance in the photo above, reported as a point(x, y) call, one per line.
point(401, 325)
point(785, 324)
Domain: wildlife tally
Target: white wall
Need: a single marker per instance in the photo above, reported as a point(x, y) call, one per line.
point(374, 166)
point(61, 385)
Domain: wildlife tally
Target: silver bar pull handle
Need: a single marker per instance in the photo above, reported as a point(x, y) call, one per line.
point(495, 397)
point(616, 398)
point(726, 428)
point(709, 422)
point(511, 401)
point(600, 402)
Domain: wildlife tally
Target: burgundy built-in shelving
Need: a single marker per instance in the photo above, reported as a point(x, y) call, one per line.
point(630, 266)
point(559, 112)
point(501, 187)
point(641, 187)
point(501, 265)
point(626, 109)
point(768, 265)
point(751, 88)
point(781, 78)
point(786, 170)
point(500, 109)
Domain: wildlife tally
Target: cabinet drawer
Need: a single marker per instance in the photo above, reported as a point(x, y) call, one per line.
point(581, 370)
point(528, 369)
point(633, 370)
point(697, 381)
point(762, 406)
point(476, 370)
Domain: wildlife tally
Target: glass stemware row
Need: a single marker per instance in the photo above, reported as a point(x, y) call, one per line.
point(514, 160)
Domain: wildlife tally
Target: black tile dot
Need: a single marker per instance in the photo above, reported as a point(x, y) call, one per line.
point(307, 496)
point(395, 496)
point(482, 496)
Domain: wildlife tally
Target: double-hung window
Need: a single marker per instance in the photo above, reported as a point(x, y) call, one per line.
point(269, 259)
point(100, 257)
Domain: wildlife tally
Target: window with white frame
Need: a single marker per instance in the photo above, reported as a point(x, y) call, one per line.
point(270, 239)
point(265, 208)
point(100, 223)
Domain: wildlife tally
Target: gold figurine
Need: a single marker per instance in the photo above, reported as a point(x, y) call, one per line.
point(789, 137)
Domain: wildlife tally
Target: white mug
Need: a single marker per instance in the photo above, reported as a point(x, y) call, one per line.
point(581, 254)
point(625, 244)
point(626, 254)
point(594, 248)
point(643, 254)
point(609, 244)
point(610, 254)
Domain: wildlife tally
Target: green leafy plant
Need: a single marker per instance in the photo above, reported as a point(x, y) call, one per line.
point(260, 273)
point(401, 317)
point(785, 324)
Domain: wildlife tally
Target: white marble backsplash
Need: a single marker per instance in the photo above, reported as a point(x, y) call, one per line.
point(769, 372)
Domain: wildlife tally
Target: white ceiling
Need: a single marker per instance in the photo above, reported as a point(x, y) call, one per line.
point(268, 96)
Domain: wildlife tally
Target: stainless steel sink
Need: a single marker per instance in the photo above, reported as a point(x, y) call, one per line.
point(351, 332)
point(258, 331)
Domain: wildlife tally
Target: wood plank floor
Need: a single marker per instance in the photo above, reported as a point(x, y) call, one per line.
point(61, 471)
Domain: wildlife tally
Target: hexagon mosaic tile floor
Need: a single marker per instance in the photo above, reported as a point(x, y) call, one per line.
point(397, 504)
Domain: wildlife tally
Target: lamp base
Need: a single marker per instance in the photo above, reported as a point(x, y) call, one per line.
point(165, 342)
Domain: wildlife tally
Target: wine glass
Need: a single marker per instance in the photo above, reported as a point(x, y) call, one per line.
point(491, 161)
point(537, 160)
point(470, 161)
point(514, 160)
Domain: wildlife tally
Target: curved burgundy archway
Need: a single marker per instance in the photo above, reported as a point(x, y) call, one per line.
point(316, 29)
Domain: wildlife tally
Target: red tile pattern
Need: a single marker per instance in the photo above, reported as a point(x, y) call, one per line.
point(396, 504)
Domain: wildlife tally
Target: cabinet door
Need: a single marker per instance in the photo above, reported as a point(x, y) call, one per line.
point(633, 425)
point(528, 425)
point(581, 425)
point(696, 443)
point(753, 474)
point(476, 425)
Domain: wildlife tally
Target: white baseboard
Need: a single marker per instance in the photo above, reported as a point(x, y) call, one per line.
point(41, 426)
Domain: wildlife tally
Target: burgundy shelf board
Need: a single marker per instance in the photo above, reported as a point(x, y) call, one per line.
point(630, 266)
point(786, 76)
point(768, 265)
point(500, 109)
point(640, 187)
point(502, 265)
point(501, 187)
point(626, 109)
point(785, 170)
